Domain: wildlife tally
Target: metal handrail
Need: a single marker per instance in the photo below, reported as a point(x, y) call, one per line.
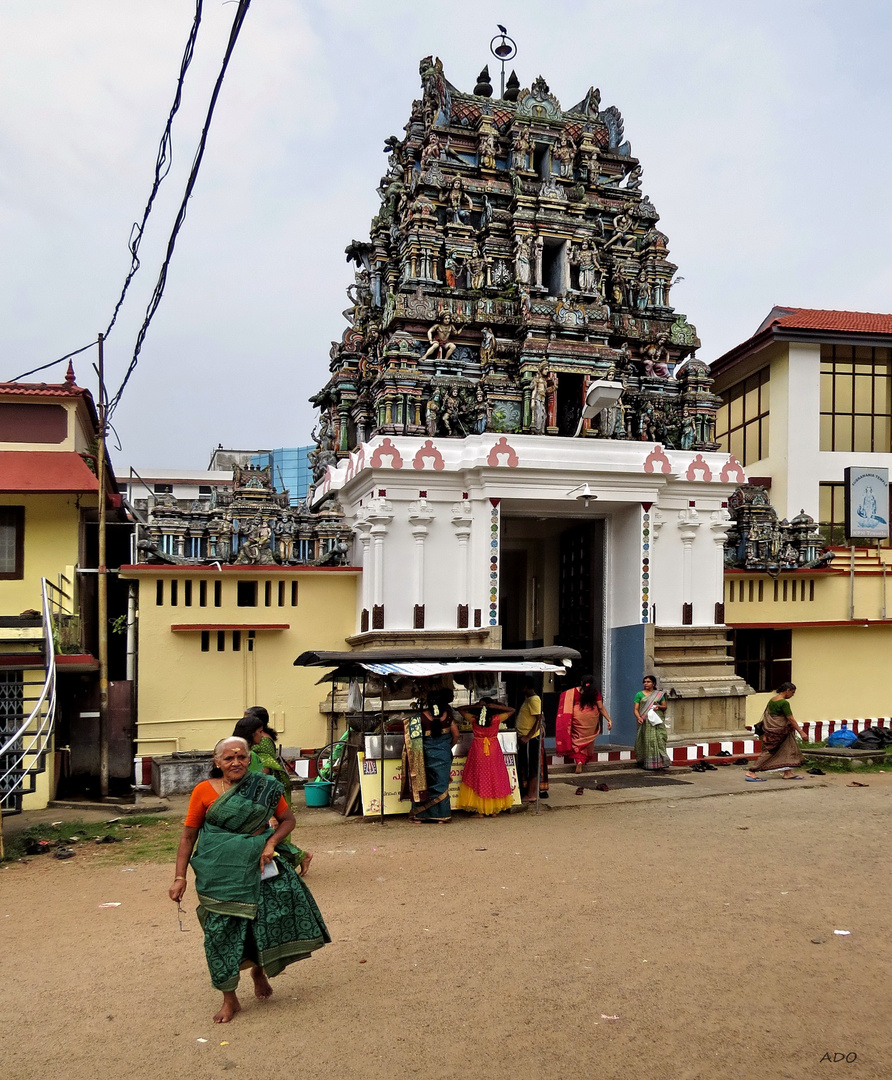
point(40, 738)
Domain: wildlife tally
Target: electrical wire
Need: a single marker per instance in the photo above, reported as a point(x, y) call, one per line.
point(53, 363)
point(152, 307)
point(163, 163)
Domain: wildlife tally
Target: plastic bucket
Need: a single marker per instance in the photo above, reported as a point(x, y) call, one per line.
point(318, 793)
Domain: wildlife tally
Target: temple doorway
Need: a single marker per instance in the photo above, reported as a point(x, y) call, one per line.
point(569, 403)
point(552, 592)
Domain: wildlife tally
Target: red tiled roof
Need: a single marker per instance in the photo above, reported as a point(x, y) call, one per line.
point(41, 472)
point(42, 389)
point(857, 322)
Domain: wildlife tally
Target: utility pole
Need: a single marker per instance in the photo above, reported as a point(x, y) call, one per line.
point(102, 585)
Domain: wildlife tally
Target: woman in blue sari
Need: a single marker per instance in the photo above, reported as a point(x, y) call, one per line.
point(427, 759)
point(255, 910)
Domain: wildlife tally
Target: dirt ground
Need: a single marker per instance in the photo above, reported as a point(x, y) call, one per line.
point(676, 938)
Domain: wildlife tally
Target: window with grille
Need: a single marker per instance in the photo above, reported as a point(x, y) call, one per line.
point(763, 658)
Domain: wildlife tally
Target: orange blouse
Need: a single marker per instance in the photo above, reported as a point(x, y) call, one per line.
point(204, 794)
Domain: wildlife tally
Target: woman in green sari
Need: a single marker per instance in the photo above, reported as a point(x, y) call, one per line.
point(252, 916)
point(651, 741)
point(254, 728)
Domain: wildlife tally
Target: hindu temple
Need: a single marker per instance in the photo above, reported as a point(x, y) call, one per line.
point(516, 425)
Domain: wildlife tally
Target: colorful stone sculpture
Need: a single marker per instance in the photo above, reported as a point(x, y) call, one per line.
point(512, 219)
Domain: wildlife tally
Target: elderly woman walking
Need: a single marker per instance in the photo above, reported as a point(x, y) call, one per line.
point(780, 752)
point(254, 909)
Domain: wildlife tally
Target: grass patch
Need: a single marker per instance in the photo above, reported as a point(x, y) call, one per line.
point(143, 838)
point(842, 766)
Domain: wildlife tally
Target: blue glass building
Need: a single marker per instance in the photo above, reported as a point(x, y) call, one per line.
point(291, 469)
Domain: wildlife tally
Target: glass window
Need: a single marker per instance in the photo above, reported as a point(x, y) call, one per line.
point(742, 422)
point(12, 542)
point(856, 404)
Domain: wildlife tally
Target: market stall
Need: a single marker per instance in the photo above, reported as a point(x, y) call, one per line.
point(385, 687)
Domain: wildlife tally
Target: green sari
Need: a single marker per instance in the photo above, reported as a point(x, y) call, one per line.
point(271, 923)
point(264, 757)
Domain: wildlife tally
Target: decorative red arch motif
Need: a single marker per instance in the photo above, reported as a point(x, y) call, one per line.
point(698, 465)
point(428, 452)
point(657, 456)
point(732, 467)
point(386, 450)
point(503, 449)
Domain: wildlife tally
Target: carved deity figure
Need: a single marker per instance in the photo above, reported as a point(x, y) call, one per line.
point(487, 150)
point(481, 410)
point(450, 417)
point(586, 258)
point(432, 151)
point(285, 538)
point(430, 419)
point(522, 259)
point(460, 203)
point(654, 360)
point(359, 293)
point(644, 291)
point(565, 154)
point(538, 393)
point(487, 345)
point(478, 268)
point(551, 389)
point(439, 335)
point(452, 266)
point(622, 226)
point(538, 248)
point(521, 148)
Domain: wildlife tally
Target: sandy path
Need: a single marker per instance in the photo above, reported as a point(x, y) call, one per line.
point(491, 949)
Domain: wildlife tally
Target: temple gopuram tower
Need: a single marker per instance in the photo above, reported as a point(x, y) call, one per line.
point(515, 422)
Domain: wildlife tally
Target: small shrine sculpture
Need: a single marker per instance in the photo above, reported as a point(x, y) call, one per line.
point(758, 541)
point(248, 524)
point(514, 252)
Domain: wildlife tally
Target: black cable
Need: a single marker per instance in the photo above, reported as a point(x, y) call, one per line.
point(163, 162)
point(53, 363)
point(181, 216)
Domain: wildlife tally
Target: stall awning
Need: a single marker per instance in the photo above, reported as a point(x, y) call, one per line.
point(419, 670)
point(424, 663)
point(549, 654)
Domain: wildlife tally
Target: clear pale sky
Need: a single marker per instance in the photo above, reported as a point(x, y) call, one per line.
point(763, 131)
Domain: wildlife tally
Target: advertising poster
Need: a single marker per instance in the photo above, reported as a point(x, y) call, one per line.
point(867, 503)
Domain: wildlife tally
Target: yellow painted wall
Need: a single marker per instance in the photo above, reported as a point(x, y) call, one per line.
point(837, 668)
point(51, 547)
point(188, 699)
point(37, 800)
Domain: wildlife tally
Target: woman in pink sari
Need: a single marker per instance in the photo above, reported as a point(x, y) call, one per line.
point(580, 720)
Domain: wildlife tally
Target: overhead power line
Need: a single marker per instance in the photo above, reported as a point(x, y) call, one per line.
point(163, 162)
point(237, 23)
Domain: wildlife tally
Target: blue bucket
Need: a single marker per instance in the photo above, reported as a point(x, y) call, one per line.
point(318, 793)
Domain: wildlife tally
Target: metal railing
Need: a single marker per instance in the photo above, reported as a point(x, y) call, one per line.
point(24, 752)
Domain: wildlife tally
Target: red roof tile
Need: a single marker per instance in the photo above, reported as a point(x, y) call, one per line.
point(42, 389)
point(41, 472)
point(857, 322)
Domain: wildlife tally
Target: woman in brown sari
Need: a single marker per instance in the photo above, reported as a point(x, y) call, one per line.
point(780, 752)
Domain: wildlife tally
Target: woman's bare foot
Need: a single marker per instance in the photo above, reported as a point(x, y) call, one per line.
point(262, 988)
point(578, 767)
point(230, 1007)
point(305, 863)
